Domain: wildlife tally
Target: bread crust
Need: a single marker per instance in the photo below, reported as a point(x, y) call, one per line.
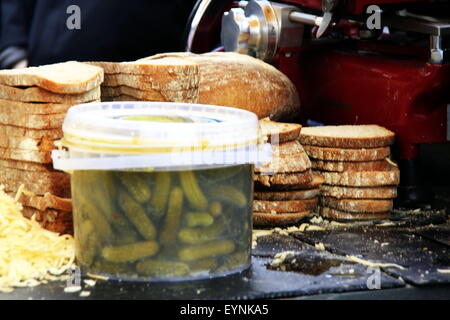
point(341, 166)
point(31, 109)
point(286, 157)
point(32, 121)
point(284, 179)
point(43, 157)
point(357, 205)
point(287, 195)
point(284, 206)
point(339, 215)
point(318, 136)
point(335, 154)
point(280, 132)
point(261, 219)
point(53, 220)
point(66, 78)
point(358, 192)
point(36, 94)
point(41, 145)
point(362, 179)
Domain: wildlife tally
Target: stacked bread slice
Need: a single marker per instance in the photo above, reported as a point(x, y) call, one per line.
point(360, 179)
point(33, 105)
point(167, 79)
point(286, 190)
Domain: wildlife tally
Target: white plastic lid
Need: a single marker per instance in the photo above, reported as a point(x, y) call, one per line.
point(159, 136)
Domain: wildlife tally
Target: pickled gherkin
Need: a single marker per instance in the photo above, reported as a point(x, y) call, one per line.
point(161, 268)
point(163, 225)
point(130, 252)
point(137, 215)
point(173, 217)
point(192, 190)
point(160, 197)
point(211, 249)
point(136, 186)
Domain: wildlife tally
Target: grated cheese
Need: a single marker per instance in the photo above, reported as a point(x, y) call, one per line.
point(29, 254)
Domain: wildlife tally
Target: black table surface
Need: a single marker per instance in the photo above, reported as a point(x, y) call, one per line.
point(415, 247)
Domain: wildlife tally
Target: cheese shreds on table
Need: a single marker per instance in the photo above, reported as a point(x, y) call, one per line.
point(29, 254)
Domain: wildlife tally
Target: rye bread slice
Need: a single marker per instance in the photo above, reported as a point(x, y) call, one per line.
point(284, 206)
point(261, 219)
point(27, 166)
point(286, 195)
point(36, 94)
point(51, 219)
point(68, 77)
point(286, 157)
point(122, 97)
point(335, 154)
point(28, 109)
point(284, 179)
point(42, 203)
point(32, 121)
point(339, 215)
point(279, 132)
point(389, 177)
point(358, 192)
point(41, 145)
point(51, 134)
point(341, 166)
point(357, 205)
point(316, 181)
point(348, 136)
point(43, 157)
point(56, 183)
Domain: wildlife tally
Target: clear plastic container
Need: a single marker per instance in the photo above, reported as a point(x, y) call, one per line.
point(161, 191)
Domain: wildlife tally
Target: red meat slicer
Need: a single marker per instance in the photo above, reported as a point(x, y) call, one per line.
point(347, 70)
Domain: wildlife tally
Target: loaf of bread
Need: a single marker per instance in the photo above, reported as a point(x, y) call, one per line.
point(240, 81)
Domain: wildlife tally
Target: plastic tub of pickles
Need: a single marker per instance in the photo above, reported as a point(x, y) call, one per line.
point(161, 191)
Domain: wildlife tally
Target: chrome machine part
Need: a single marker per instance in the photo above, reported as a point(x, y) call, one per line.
point(438, 31)
point(258, 28)
point(328, 7)
point(201, 10)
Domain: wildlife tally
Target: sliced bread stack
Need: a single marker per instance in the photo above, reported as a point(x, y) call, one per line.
point(167, 79)
point(286, 190)
point(360, 179)
point(33, 105)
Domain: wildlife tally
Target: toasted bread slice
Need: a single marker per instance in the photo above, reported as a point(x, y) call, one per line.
point(28, 109)
point(32, 121)
point(27, 166)
point(279, 132)
point(284, 206)
point(335, 154)
point(261, 219)
point(51, 219)
point(68, 77)
point(42, 203)
point(284, 179)
point(335, 214)
point(56, 183)
point(286, 195)
point(41, 145)
point(36, 94)
point(51, 134)
point(341, 166)
point(352, 137)
point(358, 192)
point(43, 157)
point(316, 181)
point(357, 205)
point(389, 177)
point(287, 157)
